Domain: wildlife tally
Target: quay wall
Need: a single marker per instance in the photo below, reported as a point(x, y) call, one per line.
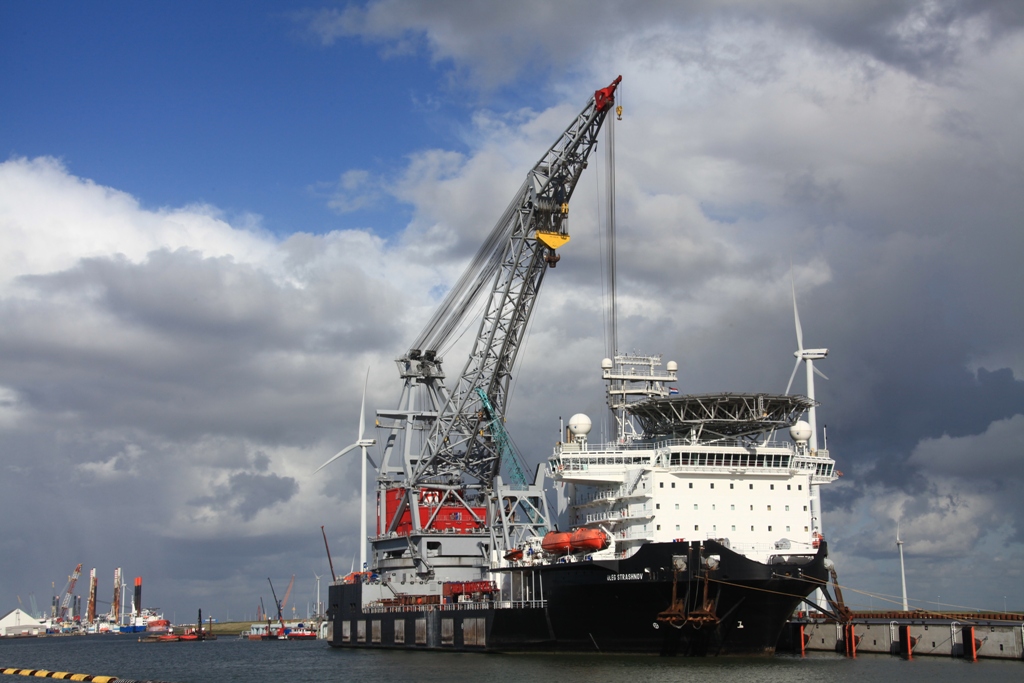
point(931, 637)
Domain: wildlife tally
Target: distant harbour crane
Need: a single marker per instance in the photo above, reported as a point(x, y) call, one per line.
point(68, 592)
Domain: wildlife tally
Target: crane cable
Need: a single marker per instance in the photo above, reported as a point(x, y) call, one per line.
point(611, 322)
point(608, 264)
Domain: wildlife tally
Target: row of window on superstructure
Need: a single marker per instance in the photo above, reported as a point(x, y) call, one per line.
point(771, 487)
point(714, 527)
point(745, 459)
point(732, 507)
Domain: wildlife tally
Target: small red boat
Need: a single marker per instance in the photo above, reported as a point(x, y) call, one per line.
point(588, 540)
point(556, 542)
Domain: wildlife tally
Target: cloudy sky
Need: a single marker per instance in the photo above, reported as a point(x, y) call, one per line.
point(215, 219)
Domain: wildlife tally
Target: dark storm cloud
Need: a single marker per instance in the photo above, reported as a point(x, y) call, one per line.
point(924, 38)
point(494, 44)
point(245, 493)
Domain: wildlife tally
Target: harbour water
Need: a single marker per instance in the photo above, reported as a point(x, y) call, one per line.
point(231, 659)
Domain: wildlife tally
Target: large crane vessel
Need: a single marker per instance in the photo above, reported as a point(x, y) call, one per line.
point(654, 555)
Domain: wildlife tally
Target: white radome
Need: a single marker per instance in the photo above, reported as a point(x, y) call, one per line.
point(672, 366)
point(579, 425)
point(801, 431)
point(607, 364)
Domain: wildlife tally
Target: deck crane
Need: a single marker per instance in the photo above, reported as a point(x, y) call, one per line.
point(69, 589)
point(280, 615)
point(444, 455)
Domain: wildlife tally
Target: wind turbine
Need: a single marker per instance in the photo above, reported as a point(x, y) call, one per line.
point(808, 356)
point(903, 571)
point(363, 444)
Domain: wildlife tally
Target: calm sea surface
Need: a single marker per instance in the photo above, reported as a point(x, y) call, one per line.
point(231, 659)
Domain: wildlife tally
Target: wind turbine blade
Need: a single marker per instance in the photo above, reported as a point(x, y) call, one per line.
point(338, 455)
point(793, 376)
point(796, 319)
point(819, 372)
point(362, 406)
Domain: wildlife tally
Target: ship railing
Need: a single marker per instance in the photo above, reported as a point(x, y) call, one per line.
point(455, 606)
point(520, 604)
point(619, 515)
point(583, 463)
point(604, 517)
point(682, 445)
point(602, 498)
point(723, 445)
point(622, 492)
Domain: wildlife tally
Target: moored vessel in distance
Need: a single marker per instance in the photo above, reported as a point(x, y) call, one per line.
point(695, 531)
point(290, 631)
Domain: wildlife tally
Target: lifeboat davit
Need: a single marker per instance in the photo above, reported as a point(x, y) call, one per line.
point(556, 542)
point(588, 540)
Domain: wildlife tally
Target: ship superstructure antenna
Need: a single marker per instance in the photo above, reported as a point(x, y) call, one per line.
point(361, 443)
point(632, 377)
point(903, 570)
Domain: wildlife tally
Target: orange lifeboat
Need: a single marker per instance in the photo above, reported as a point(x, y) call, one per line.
point(514, 555)
point(588, 540)
point(556, 542)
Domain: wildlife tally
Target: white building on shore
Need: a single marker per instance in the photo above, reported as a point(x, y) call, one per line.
point(17, 622)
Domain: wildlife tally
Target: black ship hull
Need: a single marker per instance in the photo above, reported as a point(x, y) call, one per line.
point(696, 598)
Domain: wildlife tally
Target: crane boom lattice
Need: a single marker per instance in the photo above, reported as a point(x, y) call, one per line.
point(528, 234)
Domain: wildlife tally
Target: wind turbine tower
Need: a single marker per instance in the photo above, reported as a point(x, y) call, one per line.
point(361, 443)
point(903, 571)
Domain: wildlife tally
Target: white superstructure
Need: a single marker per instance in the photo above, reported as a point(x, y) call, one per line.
point(694, 467)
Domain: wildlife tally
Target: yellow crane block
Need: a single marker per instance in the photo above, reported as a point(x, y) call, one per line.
point(552, 239)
